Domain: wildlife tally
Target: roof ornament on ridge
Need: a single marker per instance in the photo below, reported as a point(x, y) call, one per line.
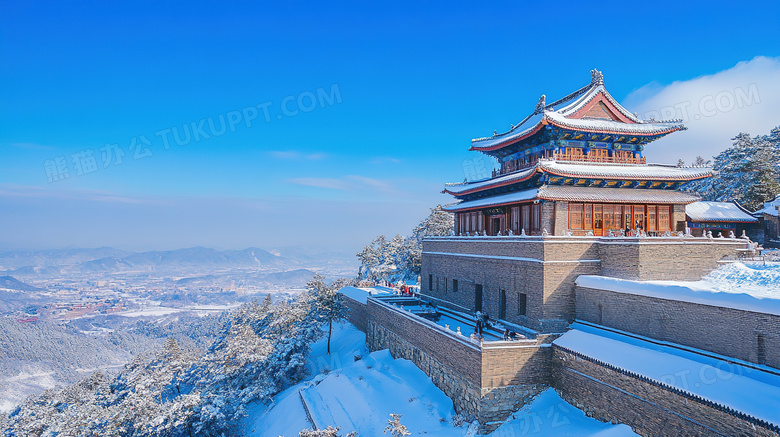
point(596, 77)
point(540, 106)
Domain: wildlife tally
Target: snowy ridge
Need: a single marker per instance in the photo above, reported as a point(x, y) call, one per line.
point(747, 393)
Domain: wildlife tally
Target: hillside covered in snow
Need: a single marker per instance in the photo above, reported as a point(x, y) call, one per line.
point(357, 392)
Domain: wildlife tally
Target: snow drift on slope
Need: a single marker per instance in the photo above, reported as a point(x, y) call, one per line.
point(360, 395)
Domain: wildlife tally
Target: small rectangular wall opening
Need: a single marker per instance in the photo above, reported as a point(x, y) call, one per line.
point(761, 348)
point(454, 285)
point(522, 304)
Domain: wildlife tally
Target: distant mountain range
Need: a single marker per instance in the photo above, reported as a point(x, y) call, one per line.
point(11, 283)
point(108, 260)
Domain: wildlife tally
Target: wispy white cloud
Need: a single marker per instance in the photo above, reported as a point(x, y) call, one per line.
point(349, 183)
point(329, 183)
point(385, 160)
point(294, 154)
point(30, 191)
point(715, 108)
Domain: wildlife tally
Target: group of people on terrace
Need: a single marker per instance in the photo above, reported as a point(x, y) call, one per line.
point(482, 321)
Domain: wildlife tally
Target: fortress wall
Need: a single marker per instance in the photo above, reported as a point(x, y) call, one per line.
point(558, 293)
point(726, 331)
point(357, 314)
point(503, 366)
point(486, 384)
point(681, 259)
point(612, 395)
point(547, 280)
point(494, 275)
point(390, 328)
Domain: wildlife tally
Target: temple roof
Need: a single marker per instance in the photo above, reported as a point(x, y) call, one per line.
point(589, 109)
point(645, 172)
point(590, 170)
point(579, 194)
point(769, 208)
point(718, 212)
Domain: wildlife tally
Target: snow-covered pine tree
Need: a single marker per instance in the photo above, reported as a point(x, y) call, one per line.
point(395, 427)
point(327, 432)
point(748, 172)
point(401, 257)
point(260, 349)
point(328, 305)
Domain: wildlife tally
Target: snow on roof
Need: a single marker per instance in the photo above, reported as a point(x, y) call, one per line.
point(612, 126)
point(594, 91)
point(705, 211)
point(503, 199)
point(591, 170)
point(645, 172)
point(528, 125)
point(566, 116)
point(615, 195)
point(740, 387)
point(769, 208)
point(460, 188)
point(580, 194)
point(361, 294)
point(693, 292)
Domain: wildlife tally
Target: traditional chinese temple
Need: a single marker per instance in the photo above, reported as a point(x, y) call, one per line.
point(576, 166)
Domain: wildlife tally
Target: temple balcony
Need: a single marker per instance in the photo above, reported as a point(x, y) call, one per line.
point(571, 157)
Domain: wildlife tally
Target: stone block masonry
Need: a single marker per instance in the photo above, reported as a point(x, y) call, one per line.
point(529, 281)
point(745, 335)
point(356, 313)
point(650, 408)
point(486, 383)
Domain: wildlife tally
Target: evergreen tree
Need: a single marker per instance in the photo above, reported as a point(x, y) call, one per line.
point(748, 172)
point(395, 427)
point(329, 307)
point(401, 257)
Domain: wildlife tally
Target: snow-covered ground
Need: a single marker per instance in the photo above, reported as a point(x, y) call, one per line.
point(28, 379)
point(754, 278)
point(740, 387)
point(361, 395)
point(549, 415)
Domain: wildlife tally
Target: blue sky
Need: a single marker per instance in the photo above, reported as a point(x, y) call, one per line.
point(408, 85)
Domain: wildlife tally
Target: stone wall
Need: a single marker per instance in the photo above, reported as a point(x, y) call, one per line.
point(545, 268)
point(356, 312)
point(548, 217)
point(681, 259)
point(650, 408)
point(484, 383)
point(561, 218)
point(678, 218)
point(725, 331)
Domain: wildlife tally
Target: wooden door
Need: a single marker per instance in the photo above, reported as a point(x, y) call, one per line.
point(598, 220)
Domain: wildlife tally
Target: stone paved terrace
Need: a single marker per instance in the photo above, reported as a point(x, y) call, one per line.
point(485, 380)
